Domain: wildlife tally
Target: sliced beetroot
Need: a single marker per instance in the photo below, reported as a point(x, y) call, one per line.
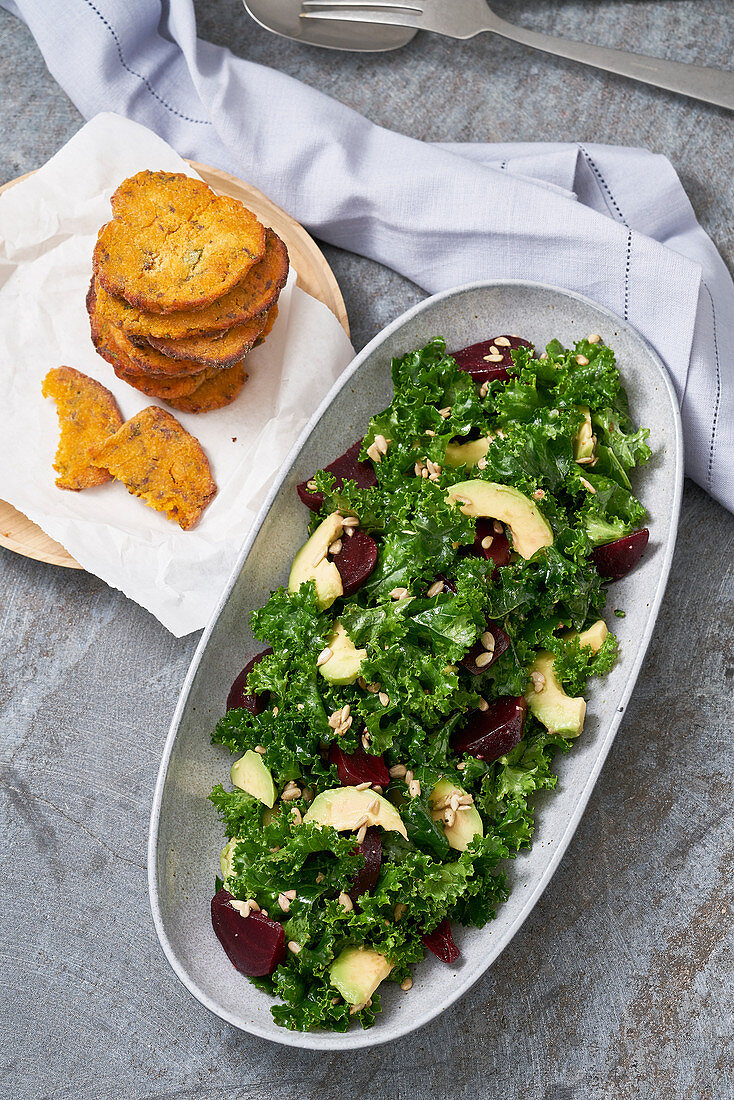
point(616, 559)
point(358, 767)
point(488, 361)
point(441, 943)
point(498, 549)
point(356, 560)
point(501, 643)
point(255, 945)
point(492, 733)
point(239, 697)
point(346, 468)
point(366, 878)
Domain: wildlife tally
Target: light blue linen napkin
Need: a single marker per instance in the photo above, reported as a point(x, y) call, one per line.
point(612, 223)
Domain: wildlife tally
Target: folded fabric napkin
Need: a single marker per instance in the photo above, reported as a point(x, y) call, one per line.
point(612, 223)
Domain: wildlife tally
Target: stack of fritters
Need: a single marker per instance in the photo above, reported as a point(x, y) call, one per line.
point(185, 284)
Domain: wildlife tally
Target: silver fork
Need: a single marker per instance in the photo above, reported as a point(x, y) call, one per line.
point(466, 18)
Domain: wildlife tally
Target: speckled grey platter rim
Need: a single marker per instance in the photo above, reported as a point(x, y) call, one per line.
point(185, 836)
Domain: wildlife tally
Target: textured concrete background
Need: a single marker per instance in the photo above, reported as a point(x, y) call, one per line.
point(618, 986)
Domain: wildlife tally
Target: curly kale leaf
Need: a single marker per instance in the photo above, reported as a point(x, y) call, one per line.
point(573, 663)
point(610, 512)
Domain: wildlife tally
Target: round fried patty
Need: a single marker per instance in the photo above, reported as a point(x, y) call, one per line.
point(173, 244)
point(257, 292)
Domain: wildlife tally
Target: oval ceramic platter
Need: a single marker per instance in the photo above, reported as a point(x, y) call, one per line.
point(185, 835)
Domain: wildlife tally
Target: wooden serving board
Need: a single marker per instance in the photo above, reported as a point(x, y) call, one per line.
point(314, 276)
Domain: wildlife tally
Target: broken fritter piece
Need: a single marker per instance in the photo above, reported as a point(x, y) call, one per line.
point(258, 291)
point(88, 414)
point(157, 460)
point(173, 244)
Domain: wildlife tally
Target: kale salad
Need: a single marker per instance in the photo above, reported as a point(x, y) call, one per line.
point(426, 662)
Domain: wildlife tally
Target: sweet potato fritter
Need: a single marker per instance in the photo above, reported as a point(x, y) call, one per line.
point(219, 390)
point(164, 388)
point(221, 350)
point(114, 346)
point(88, 413)
point(160, 462)
point(173, 244)
point(271, 319)
point(254, 295)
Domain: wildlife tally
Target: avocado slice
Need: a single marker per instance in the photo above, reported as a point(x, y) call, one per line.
point(559, 713)
point(467, 824)
point(250, 774)
point(594, 636)
point(467, 454)
point(357, 972)
point(529, 529)
point(346, 809)
point(346, 660)
point(226, 859)
point(583, 441)
point(312, 564)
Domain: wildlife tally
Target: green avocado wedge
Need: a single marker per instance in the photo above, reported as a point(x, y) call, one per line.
point(467, 822)
point(226, 859)
point(559, 712)
point(530, 530)
point(467, 454)
point(357, 972)
point(312, 564)
point(250, 774)
point(342, 668)
point(346, 809)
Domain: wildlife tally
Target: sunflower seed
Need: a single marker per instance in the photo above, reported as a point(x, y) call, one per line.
point(538, 681)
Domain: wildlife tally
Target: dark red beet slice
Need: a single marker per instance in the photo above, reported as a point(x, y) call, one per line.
point(618, 558)
point(492, 733)
point(366, 878)
point(345, 468)
point(441, 943)
point(255, 945)
point(359, 767)
point(238, 696)
point(481, 362)
point(498, 550)
point(356, 560)
point(501, 643)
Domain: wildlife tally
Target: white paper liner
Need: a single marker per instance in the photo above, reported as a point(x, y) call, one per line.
point(48, 228)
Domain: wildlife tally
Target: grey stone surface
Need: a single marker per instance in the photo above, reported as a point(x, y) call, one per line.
point(618, 985)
